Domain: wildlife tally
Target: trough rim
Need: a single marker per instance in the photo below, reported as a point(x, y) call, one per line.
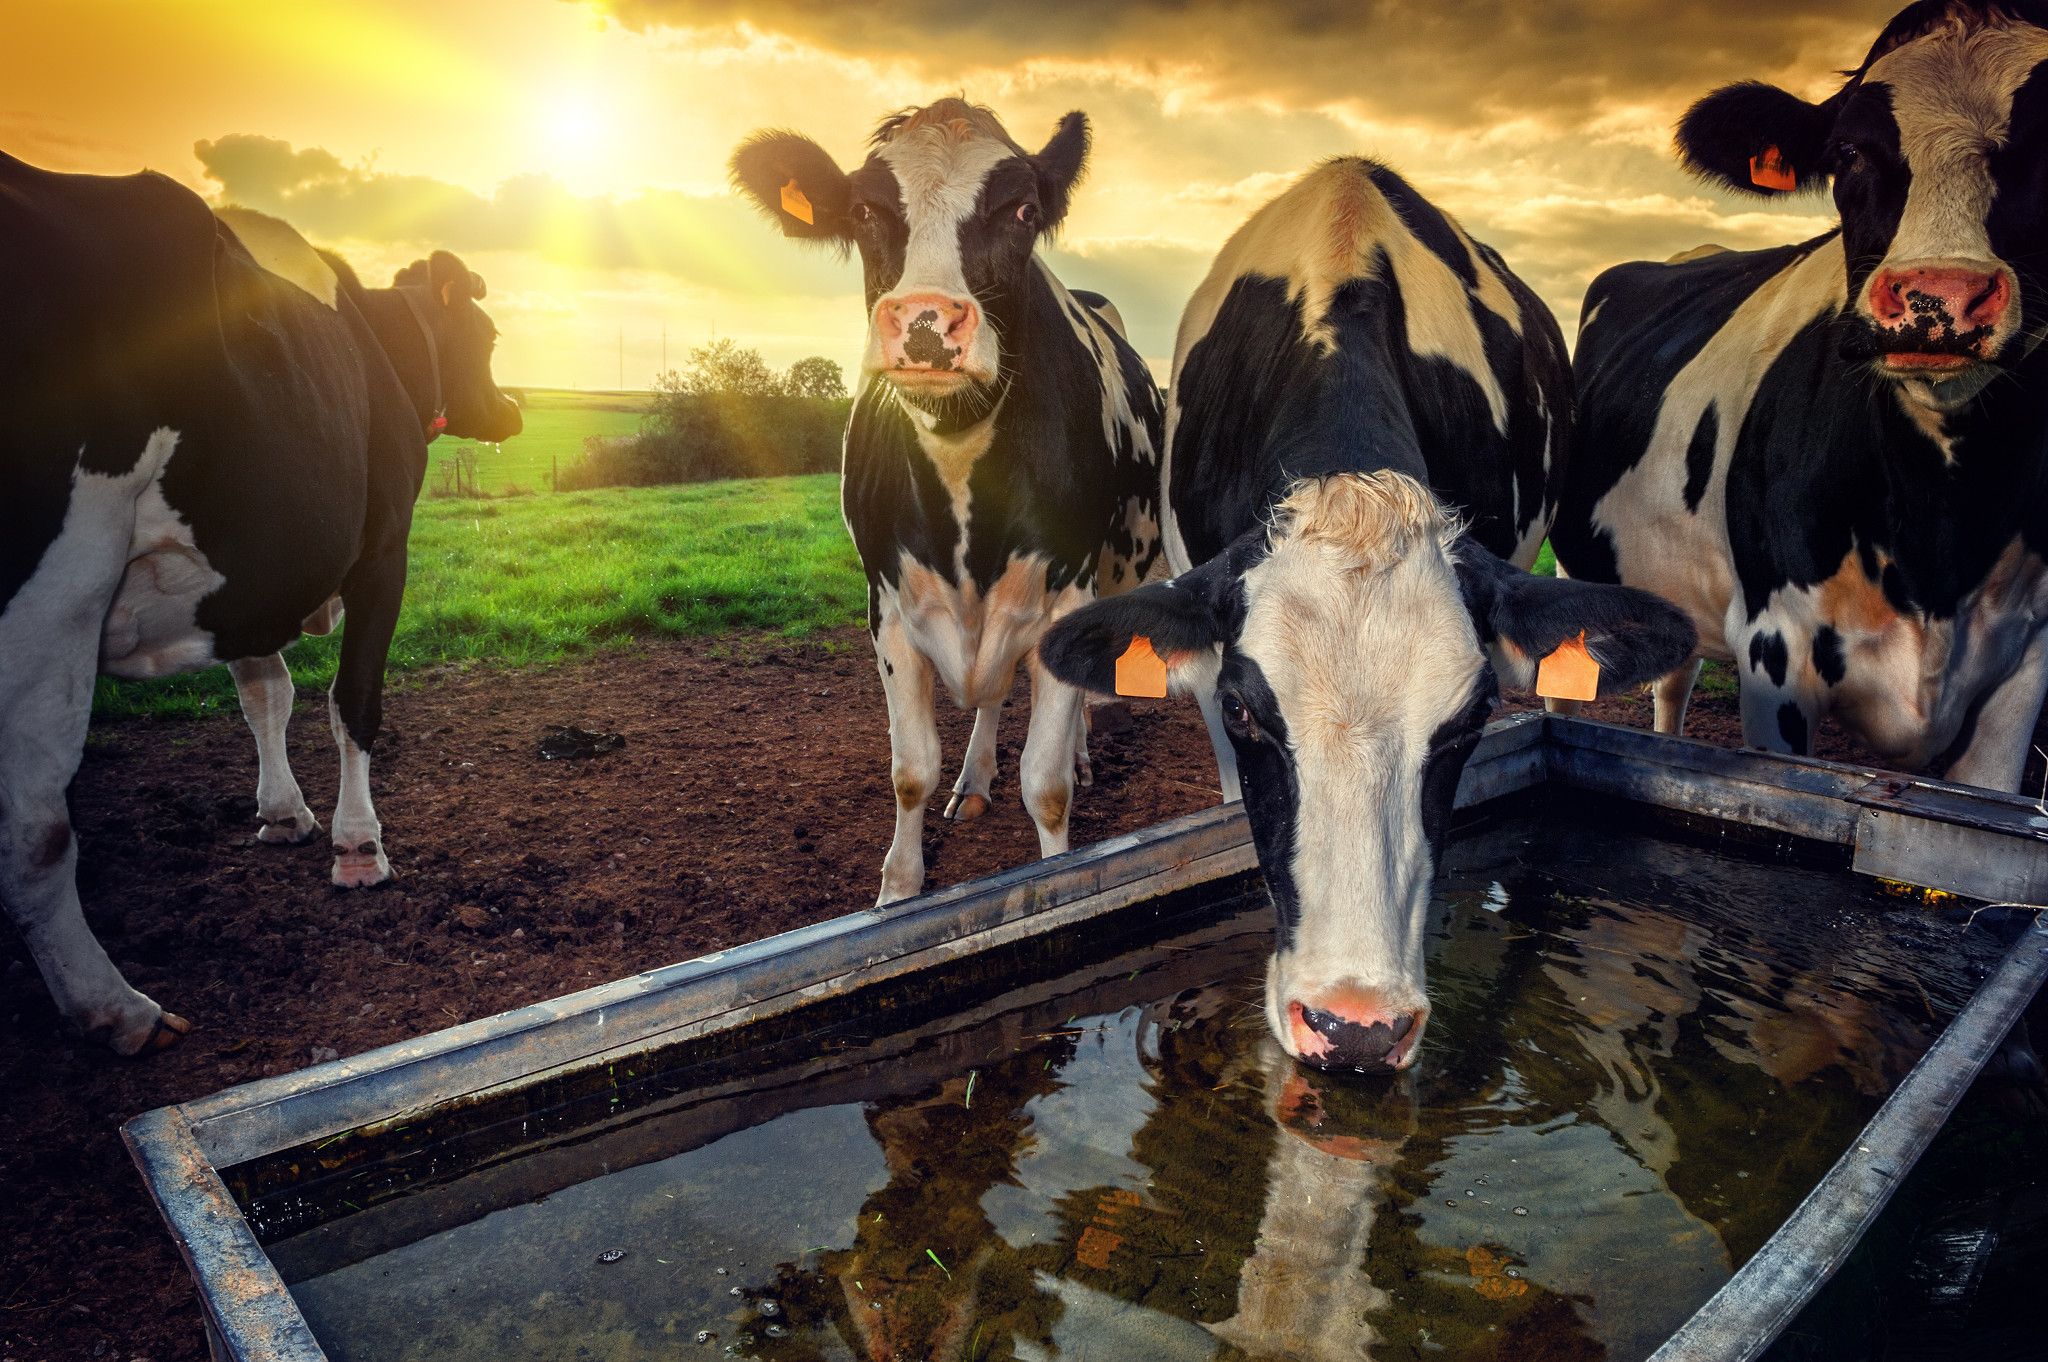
point(1921, 832)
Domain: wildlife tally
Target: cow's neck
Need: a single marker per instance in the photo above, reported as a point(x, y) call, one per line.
point(1955, 502)
point(403, 329)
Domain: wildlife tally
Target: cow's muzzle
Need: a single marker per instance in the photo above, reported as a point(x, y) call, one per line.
point(927, 339)
point(1933, 320)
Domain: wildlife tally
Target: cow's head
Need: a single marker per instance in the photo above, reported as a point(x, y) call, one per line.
point(463, 337)
point(1938, 150)
point(945, 212)
point(1347, 645)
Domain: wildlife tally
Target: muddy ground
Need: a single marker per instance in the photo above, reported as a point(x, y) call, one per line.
point(752, 795)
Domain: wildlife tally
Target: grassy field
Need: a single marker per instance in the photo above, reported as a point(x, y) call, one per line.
point(557, 421)
point(523, 581)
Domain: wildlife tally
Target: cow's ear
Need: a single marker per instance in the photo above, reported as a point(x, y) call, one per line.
point(1059, 165)
point(1757, 139)
point(797, 184)
point(451, 280)
point(1179, 618)
point(1634, 636)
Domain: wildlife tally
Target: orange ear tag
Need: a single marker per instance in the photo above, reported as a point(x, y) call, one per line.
point(1769, 171)
point(1570, 673)
point(1140, 672)
point(795, 204)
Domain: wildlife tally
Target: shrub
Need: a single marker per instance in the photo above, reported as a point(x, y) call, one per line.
point(703, 438)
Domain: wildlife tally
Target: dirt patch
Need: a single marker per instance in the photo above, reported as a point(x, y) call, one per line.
point(751, 795)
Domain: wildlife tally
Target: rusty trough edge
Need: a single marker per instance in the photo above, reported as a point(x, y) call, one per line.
point(1753, 1307)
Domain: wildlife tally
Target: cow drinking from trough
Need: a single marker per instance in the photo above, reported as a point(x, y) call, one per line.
point(1368, 410)
point(1001, 463)
point(1834, 455)
point(200, 455)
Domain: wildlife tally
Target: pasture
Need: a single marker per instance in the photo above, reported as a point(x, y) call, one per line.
point(557, 421)
point(528, 581)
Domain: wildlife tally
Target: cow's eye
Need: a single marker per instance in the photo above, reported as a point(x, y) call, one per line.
point(1027, 213)
point(862, 213)
point(1238, 719)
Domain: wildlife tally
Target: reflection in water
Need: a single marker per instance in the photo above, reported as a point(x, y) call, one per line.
point(1641, 1056)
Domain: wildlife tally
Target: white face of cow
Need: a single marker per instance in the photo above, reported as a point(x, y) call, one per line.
point(945, 212)
point(1347, 647)
point(1357, 675)
point(1934, 148)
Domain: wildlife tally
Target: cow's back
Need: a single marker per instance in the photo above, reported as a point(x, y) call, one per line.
point(1350, 326)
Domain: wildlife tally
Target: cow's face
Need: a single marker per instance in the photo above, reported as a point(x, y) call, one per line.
point(1938, 152)
point(464, 337)
point(945, 213)
point(1347, 649)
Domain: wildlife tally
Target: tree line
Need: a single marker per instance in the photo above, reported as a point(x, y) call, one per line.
point(725, 414)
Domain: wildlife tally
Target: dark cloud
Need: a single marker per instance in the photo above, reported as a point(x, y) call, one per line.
point(685, 235)
point(1457, 63)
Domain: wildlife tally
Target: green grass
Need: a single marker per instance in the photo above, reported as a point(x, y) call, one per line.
point(557, 421)
point(527, 581)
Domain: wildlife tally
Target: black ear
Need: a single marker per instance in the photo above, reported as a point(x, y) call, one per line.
point(1757, 139)
point(415, 273)
point(1634, 636)
point(1179, 617)
point(1059, 165)
point(797, 184)
point(451, 279)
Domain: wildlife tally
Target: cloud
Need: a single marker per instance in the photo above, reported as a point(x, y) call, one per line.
point(1432, 62)
point(709, 241)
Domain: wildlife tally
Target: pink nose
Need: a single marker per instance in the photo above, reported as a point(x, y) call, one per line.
point(926, 332)
point(1350, 1030)
point(1939, 303)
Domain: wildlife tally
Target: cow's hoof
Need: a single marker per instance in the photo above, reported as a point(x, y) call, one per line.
point(167, 1030)
point(297, 830)
point(360, 868)
point(965, 808)
point(1084, 773)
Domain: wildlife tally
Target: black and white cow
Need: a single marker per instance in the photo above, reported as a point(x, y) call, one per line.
point(1368, 411)
point(1834, 456)
point(1001, 466)
point(199, 454)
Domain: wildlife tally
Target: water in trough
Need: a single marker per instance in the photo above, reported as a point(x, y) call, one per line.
point(1644, 1050)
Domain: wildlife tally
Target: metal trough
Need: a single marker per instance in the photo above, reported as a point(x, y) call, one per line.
point(1916, 832)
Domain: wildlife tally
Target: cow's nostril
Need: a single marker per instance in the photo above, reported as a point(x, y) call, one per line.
point(1340, 1042)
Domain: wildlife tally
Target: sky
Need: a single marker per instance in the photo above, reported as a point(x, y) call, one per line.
point(573, 151)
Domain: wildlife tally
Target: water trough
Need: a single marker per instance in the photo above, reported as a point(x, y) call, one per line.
point(1906, 831)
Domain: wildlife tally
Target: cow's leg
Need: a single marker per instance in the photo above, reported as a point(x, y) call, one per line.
point(1084, 771)
point(1997, 753)
point(265, 687)
point(1046, 771)
point(1671, 694)
point(978, 771)
point(355, 709)
point(49, 646)
point(913, 753)
point(1226, 755)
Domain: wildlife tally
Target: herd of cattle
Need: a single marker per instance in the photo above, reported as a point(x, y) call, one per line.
point(1826, 463)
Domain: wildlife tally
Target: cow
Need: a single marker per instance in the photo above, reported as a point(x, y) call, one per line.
point(1834, 455)
point(200, 453)
point(1368, 414)
point(1001, 462)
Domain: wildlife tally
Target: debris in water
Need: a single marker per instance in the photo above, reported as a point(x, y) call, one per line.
point(768, 1307)
point(1521, 1210)
point(735, 1291)
point(563, 741)
point(611, 1255)
point(706, 1336)
point(776, 1331)
point(723, 1272)
point(942, 1267)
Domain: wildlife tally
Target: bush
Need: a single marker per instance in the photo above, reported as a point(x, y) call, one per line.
point(704, 438)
